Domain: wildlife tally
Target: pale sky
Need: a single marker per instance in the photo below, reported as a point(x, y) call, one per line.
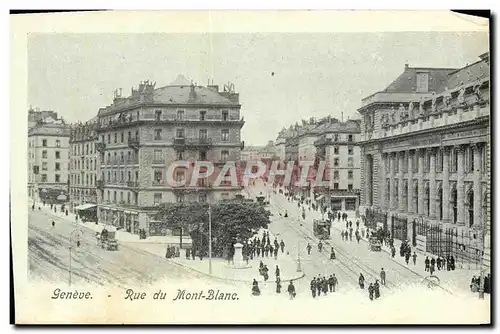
point(314, 74)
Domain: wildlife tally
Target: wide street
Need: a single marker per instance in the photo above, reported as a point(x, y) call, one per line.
point(351, 258)
point(49, 257)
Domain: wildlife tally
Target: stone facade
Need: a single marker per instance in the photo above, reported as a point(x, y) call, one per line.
point(425, 156)
point(84, 164)
point(141, 136)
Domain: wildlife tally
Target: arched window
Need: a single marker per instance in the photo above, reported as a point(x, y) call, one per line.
point(453, 203)
point(470, 207)
point(440, 203)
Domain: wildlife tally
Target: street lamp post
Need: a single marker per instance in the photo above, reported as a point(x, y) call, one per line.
point(481, 274)
point(299, 266)
point(209, 239)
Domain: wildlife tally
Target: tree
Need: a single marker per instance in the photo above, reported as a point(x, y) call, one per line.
point(232, 221)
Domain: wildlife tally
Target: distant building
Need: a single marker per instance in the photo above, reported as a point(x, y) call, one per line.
point(36, 117)
point(426, 159)
point(141, 135)
point(48, 159)
point(84, 163)
point(250, 153)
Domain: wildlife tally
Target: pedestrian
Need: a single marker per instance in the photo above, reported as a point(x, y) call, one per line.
point(376, 289)
point(193, 253)
point(332, 255)
point(334, 282)
point(414, 258)
point(265, 271)
point(427, 263)
point(338, 216)
point(271, 250)
point(278, 285)
point(342, 235)
point(357, 224)
point(452, 260)
point(276, 250)
point(291, 290)
point(277, 271)
point(350, 234)
point(357, 236)
point(320, 246)
point(282, 244)
point(318, 285)
point(309, 247)
point(53, 224)
point(370, 291)
point(407, 257)
point(438, 263)
point(255, 288)
point(361, 281)
point(382, 276)
point(433, 263)
point(312, 286)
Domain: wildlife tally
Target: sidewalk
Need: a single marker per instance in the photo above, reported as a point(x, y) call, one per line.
point(121, 236)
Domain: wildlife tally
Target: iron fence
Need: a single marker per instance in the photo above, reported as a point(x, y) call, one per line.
point(399, 228)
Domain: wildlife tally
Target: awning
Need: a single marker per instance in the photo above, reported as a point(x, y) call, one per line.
point(85, 206)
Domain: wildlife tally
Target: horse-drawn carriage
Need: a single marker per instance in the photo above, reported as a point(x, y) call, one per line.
point(374, 244)
point(321, 229)
point(107, 239)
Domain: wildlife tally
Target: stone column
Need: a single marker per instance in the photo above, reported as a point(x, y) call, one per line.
point(446, 184)
point(392, 158)
point(368, 185)
point(401, 156)
point(478, 219)
point(432, 183)
point(381, 185)
point(460, 186)
point(410, 181)
point(420, 181)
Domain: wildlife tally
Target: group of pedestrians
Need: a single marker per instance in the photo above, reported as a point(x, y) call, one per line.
point(441, 263)
point(290, 289)
point(475, 284)
point(323, 284)
point(263, 247)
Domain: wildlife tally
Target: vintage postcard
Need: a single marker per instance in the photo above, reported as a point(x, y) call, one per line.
point(245, 167)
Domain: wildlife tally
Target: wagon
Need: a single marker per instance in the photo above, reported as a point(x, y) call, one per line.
point(374, 244)
point(109, 241)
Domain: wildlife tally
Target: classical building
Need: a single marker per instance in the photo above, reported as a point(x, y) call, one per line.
point(84, 163)
point(426, 159)
point(337, 145)
point(48, 159)
point(140, 136)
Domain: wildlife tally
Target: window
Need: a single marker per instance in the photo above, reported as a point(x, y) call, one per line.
point(44, 154)
point(203, 155)
point(128, 197)
point(114, 176)
point(180, 115)
point(179, 133)
point(121, 177)
point(44, 142)
point(44, 177)
point(350, 174)
point(336, 175)
point(336, 138)
point(202, 198)
point(137, 134)
point(157, 134)
point(454, 160)
point(179, 176)
point(109, 176)
point(102, 139)
point(180, 155)
point(121, 196)
point(121, 137)
point(158, 176)
point(225, 134)
point(109, 196)
point(224, 155)
point(422, 82)
point(203, 134)
point(336, 186)
point(44, 166)
point(87, 149)
point(470, 160)
point(349, 186)
point(116, 138)
point(109, 138)
point(58, 166)
point(225, 115)
point(158, 115)
point(129, 135)
point(439, 161)
point(114, 196)
point(157, 198)
point(336, 162)
point(87, 180)
point(350, 138)
point(157, 156)
point(350, 162)
point(202, 115)
point(180, 198)
point(335, 150)
point(350, 150)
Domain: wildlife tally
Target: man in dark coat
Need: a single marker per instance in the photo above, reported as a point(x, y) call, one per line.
point(427, 263)
point(282, 244)
point(309, 247)
point(361, 281)
point(376, 289)
point(278, 284)
point(291, 290)
point(370, 291)
point(313, 287)
point(318, 285)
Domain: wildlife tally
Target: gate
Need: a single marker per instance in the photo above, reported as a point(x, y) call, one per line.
point(373, 217)
point(446, 242)
point(399, 228)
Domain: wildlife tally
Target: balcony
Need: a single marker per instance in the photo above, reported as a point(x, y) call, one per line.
point(134, 185)
point(192, 142)
point(134, 143)
point(100, 147)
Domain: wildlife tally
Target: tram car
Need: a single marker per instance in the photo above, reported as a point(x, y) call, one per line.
point(321, 229)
